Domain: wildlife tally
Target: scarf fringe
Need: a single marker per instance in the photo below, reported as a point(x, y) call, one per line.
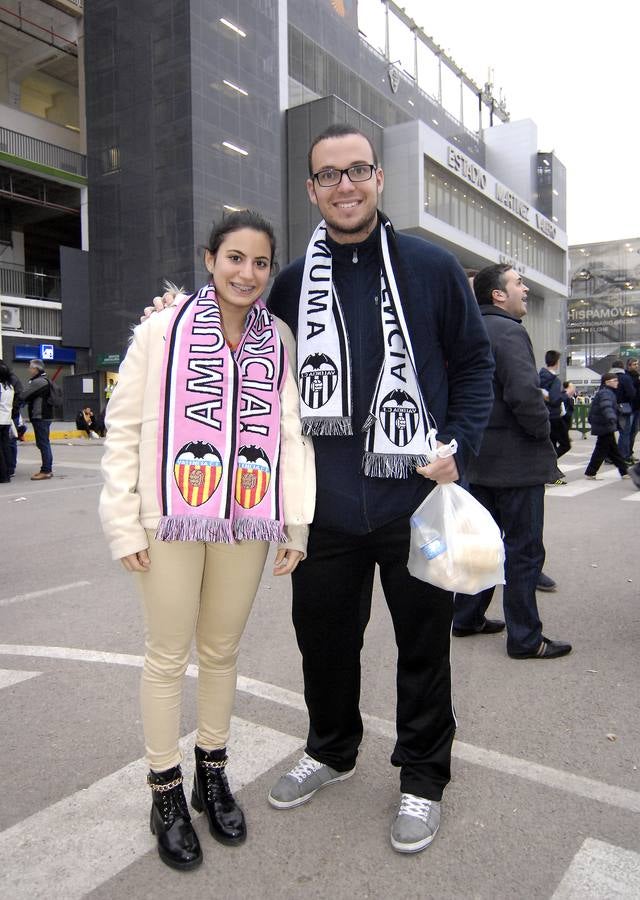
point(219, 531)
point(194, 528)
point(338, 426)
point(391, 465)
point(259, 530)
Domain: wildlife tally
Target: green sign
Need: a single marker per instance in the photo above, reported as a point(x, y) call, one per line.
point(108, 360)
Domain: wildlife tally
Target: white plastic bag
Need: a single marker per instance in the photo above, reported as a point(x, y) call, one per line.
point(455, 543)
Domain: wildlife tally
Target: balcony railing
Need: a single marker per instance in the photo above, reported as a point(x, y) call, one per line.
point(42, 152)
point(15, 281)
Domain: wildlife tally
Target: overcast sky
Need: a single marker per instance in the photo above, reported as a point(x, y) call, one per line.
point(572, 67)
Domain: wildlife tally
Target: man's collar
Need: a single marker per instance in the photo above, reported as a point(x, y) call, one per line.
point(490, 309)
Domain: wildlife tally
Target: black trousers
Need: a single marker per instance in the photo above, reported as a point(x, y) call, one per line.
point(331, 608)
point(5, 453)
point(606, 448)
point(559, 434)
point(519, 512)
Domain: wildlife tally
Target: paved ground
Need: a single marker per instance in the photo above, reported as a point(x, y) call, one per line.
point(545, 797)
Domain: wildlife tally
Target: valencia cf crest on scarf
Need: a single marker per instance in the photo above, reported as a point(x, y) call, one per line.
point(318, 380)
point(252, 476)
point(399, 417)
point(197, 469)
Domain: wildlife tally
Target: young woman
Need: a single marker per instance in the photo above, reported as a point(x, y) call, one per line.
point(204, 465)
point(6, 406)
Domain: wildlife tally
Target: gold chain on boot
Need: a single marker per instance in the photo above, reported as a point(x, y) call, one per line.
point(214, 764)
point(162, 788)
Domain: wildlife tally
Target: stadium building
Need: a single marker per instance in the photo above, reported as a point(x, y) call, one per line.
point(190, 108)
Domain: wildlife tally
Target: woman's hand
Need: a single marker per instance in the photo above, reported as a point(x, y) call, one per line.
point(159, 303)
point(286, 561)
point(137, 562)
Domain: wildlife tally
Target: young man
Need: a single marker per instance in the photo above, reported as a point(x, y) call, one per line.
point(552, 393)
point(516, 459)
point(36, 396)
point(633, 372)
point(387, 330)
point(626, 397)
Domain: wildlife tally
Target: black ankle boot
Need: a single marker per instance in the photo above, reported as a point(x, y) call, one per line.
point(212, 794)
point(178, 844)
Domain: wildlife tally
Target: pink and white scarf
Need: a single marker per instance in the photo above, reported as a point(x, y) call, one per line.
point(219, 432)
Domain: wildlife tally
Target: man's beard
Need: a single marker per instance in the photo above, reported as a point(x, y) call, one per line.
point(365, 224)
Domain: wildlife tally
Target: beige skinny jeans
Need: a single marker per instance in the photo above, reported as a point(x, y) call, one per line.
point(201, 588)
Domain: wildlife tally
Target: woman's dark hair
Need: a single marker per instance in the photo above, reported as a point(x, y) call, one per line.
point(242, 218)
point(5, 374)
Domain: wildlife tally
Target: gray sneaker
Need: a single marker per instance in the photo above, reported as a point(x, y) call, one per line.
point(416, 824)
point(301, 783)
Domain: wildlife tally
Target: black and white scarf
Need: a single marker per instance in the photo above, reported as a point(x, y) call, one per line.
point(397, 424)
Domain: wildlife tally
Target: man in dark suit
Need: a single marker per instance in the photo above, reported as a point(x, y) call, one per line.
point(508, 476)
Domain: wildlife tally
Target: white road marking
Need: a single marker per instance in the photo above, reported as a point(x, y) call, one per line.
point(95, 467)
point(633, 497)
point(557, 779)
point(583, 485)
point(75, 845)
point(9, 677)
point(34, 595)
point(37, 491)
point(600, 870)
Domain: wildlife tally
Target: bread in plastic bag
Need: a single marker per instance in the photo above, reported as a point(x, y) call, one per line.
point(455, 543)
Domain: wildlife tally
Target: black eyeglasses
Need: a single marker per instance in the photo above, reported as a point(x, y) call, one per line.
point(332, 177)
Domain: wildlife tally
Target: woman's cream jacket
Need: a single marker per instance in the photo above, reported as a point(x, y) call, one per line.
point(129, 499)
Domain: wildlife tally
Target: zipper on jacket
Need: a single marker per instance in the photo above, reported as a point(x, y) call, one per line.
point(354, 258)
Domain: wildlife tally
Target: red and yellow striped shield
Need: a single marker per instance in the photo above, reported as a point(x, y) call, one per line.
point(197, 476)
point(253, 477)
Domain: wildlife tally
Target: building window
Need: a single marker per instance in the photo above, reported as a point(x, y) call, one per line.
point(457, 204)
point(110, 160)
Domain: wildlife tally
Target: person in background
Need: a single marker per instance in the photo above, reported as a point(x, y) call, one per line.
point(603, 418)
point(108, 391)
point(552, 393)
point(569, 400)
point(508, 476)
point(17, 432)
point(6, 405)
point(205, 464)
point(37, 396)
point(633, 371)
point(88, 422)
point(626, 399)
